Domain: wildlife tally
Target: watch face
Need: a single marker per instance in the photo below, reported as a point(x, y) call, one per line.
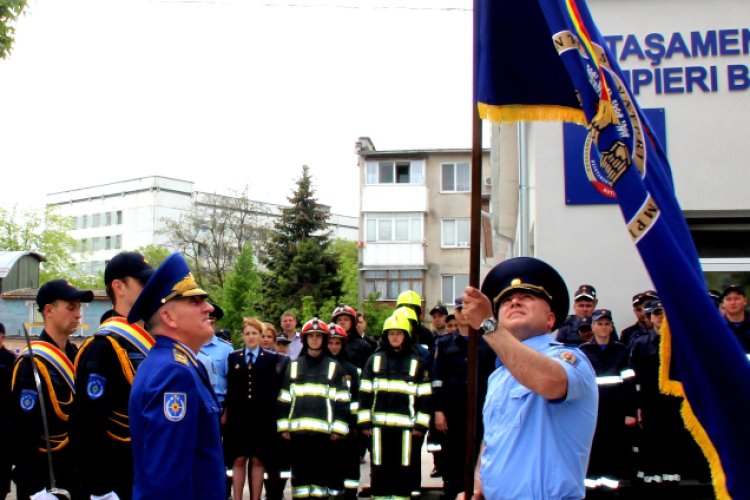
point(489, 325)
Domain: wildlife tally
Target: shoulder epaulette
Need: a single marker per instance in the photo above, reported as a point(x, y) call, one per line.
point(184, 356)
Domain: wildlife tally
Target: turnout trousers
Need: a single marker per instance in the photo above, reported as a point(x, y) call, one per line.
point(391, 455)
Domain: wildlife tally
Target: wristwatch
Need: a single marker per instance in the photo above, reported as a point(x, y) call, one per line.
point(489, 325)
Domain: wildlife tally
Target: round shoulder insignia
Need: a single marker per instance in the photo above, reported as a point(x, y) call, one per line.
point(95, 386)
point(568, 357)
point(28, 399)
point(175, 406)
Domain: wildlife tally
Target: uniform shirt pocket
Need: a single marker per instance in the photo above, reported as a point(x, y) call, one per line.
point(518, 398)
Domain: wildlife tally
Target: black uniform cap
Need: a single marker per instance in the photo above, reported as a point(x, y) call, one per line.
point(217, 313)
point(533, 276)
point(733, 288)
point(127, 264)
point(61, 290)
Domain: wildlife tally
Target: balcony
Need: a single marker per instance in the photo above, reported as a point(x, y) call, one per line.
point(393, 255)
point(394, 198)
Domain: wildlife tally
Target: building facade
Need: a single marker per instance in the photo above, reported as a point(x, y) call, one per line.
point(688, 65)
point(127, 215)
point(414, 222)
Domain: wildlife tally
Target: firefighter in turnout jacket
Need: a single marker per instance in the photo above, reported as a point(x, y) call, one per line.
point(313, 411)
point(346, 451)
point(393, 401)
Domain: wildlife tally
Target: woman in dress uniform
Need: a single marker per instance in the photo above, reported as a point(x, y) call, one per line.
point(253, 383)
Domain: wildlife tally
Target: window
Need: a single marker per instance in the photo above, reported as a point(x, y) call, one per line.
point(118, 217)
point(84, 245)
point(389, 284)
point(118, 242)
point(453, 286)
point(108, 243)
point(456, 177)
point(388, 226)
point(395, 172)
point(107, 218)
point(96, 243)
point(454, 233)
point(95, 220)
point(84, 221)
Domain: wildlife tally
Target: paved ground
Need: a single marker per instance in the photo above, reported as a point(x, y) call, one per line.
point(431, 485)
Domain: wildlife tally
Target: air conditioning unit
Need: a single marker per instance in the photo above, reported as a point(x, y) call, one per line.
point(488, 181)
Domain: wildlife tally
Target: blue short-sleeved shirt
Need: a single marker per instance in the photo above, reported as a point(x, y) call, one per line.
point(214, 356)
point(534, 447)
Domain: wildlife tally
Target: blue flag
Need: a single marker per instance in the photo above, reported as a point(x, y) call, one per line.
point(546, 60)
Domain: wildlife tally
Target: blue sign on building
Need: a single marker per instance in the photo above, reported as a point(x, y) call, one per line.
point(585, 182)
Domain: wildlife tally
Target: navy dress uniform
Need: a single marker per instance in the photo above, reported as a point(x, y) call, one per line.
point(252, 389)
point(105, 367)
point(174, 413)
point(7, 359)
point(449, 396)
point(57, 375)
point(611, 455)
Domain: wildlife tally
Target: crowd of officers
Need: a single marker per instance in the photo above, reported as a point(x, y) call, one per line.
point(309, 404)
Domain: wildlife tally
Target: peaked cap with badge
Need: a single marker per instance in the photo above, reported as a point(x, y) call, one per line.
point(171, 280)
point(530, 275)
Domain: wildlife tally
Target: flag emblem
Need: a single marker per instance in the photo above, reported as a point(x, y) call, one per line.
point(175, 406)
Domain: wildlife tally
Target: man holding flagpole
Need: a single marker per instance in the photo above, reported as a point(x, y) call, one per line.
point(541, 387)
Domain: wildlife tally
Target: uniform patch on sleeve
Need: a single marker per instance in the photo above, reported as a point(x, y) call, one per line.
point(95, 386)
point(175, 406)
point(28, 399)
point(569, 357)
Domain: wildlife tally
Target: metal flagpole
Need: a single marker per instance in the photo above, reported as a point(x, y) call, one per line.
point(42, 407)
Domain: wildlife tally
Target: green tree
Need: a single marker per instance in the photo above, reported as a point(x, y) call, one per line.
point(348, 273)
point(240, 292)
point(9, 12)
point(213, 234)
point(376, 313)
point(154, 254)
point(47, 233)
point(299, 260)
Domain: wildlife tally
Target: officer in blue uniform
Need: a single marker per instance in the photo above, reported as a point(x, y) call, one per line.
point(541, 404)
point(174, 413)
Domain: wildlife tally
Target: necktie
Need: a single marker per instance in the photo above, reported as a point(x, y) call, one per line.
point(250, 358)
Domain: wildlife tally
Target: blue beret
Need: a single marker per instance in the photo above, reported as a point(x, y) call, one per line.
point(171, 280)
point(533, 276)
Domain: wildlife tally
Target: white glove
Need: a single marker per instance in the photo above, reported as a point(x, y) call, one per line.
point(107, 496)
point(43, 495)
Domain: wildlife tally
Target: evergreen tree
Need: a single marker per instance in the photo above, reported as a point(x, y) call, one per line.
point(299, 260)
point(240, 292)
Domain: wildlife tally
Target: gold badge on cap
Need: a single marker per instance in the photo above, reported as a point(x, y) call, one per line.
point(184, 285)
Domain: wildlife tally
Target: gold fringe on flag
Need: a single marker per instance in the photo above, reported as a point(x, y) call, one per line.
point(605, 115)
point(674, 388)
point(517, 113)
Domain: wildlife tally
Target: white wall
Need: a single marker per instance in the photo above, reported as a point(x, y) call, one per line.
point(707, 145)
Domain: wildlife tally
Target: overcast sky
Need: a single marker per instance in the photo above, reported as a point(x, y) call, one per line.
point(228, 93)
